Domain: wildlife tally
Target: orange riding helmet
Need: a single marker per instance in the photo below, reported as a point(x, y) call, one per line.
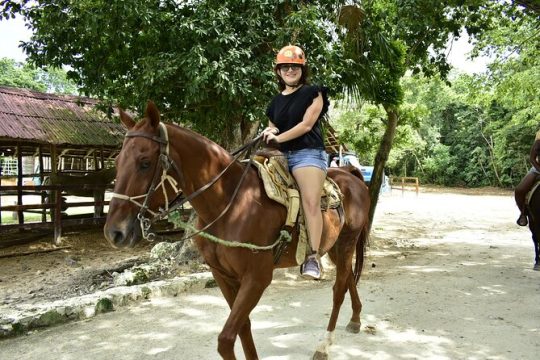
point(291, 54)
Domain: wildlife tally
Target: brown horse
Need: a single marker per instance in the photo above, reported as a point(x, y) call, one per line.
point(241, 273)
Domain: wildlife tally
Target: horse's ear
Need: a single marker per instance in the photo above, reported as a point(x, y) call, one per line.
point(126, 119)
point(152, 113)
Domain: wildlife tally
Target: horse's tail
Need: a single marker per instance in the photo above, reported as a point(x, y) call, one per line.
point(361, 245)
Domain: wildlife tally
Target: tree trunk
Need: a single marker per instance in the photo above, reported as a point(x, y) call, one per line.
point(239, 133)
point(381, 158)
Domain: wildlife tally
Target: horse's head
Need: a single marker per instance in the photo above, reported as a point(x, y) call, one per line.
point(136, 169)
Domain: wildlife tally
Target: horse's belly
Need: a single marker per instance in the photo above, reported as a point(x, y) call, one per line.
point(331, 229)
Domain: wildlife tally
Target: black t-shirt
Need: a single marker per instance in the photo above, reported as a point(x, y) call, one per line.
point(286, 111)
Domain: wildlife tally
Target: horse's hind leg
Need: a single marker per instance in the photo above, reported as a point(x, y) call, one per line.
point(354, 324)
point(341, 254)
point(345, 269)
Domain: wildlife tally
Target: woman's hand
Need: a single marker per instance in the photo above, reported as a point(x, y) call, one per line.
point(270, 135)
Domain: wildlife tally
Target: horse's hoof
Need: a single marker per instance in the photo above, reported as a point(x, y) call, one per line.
point(353, 327)
point(320, 356)
point(536, 267)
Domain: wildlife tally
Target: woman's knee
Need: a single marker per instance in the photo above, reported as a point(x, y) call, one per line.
point(311, 206)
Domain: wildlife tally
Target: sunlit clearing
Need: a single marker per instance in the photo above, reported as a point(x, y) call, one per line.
point(268, 325)
point(381, 253)
point(348, 353)
point(206, 300)
point(423, 269)
point(107, 325)
point(200, 326)
point(472, 263)
point(287, 340)
point(162, 302)
point(155, 351)
point(379, 355)
point(263, 308)
point(148, 336)
point(413, 336)
point(191, 312)
point(492, 291)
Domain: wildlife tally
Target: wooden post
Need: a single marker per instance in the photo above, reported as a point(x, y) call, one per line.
point(407, 181)
point(20, 213)
point(101, 158)
point(1, 173)
point(57, 195)
point(43, 193)
point(57, 216)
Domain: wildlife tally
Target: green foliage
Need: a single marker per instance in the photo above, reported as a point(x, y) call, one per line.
point(19, 75)
point(23, 75)
point(205, 63)
point(439, 167)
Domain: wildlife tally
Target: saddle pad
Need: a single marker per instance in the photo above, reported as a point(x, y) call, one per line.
point(277, 181)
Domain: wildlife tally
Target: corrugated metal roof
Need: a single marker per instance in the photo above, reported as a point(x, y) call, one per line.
point(55, 119)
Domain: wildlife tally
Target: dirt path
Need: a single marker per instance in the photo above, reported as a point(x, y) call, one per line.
point(448, 276)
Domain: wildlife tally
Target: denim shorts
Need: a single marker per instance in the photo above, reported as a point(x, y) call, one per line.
point(307, 157)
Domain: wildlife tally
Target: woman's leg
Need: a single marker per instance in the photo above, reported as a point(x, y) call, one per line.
point(310, 180)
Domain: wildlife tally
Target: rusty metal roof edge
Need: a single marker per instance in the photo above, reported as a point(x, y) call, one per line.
point(47, 96)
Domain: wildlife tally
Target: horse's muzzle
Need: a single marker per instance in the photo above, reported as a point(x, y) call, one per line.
point(122, 236)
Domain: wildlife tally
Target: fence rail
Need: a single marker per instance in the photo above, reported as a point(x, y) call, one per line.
point(52, 203)
point(405, 183)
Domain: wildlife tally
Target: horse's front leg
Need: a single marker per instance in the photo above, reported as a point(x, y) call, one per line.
point(242, 298)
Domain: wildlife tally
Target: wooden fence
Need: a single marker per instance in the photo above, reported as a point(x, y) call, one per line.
point(405, 183)
point(51, 208)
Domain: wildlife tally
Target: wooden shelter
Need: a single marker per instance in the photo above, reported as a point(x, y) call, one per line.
point(46, 136)
point(332, 144)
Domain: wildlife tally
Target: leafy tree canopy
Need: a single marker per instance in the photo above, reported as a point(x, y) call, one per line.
point(208, 63)
point(23, 75)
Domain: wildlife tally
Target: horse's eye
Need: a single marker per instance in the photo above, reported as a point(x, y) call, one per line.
point(145, 165)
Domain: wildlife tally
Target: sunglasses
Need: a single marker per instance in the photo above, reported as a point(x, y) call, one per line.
point(288, 67)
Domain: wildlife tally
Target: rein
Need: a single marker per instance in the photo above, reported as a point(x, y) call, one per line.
point(166, 163)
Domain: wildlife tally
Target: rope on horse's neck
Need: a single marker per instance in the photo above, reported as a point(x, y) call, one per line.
point(283, 236)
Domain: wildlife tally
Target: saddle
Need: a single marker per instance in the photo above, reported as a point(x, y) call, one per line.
point(281, 187)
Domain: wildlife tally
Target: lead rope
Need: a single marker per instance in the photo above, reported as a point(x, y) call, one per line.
point(284, 236)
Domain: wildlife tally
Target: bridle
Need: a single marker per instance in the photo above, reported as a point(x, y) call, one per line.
point(160, 181)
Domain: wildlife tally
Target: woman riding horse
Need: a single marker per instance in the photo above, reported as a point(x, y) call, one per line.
point(241, 221)
point(295, 124)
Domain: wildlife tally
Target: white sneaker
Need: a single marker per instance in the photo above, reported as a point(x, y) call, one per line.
point(311, 268)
